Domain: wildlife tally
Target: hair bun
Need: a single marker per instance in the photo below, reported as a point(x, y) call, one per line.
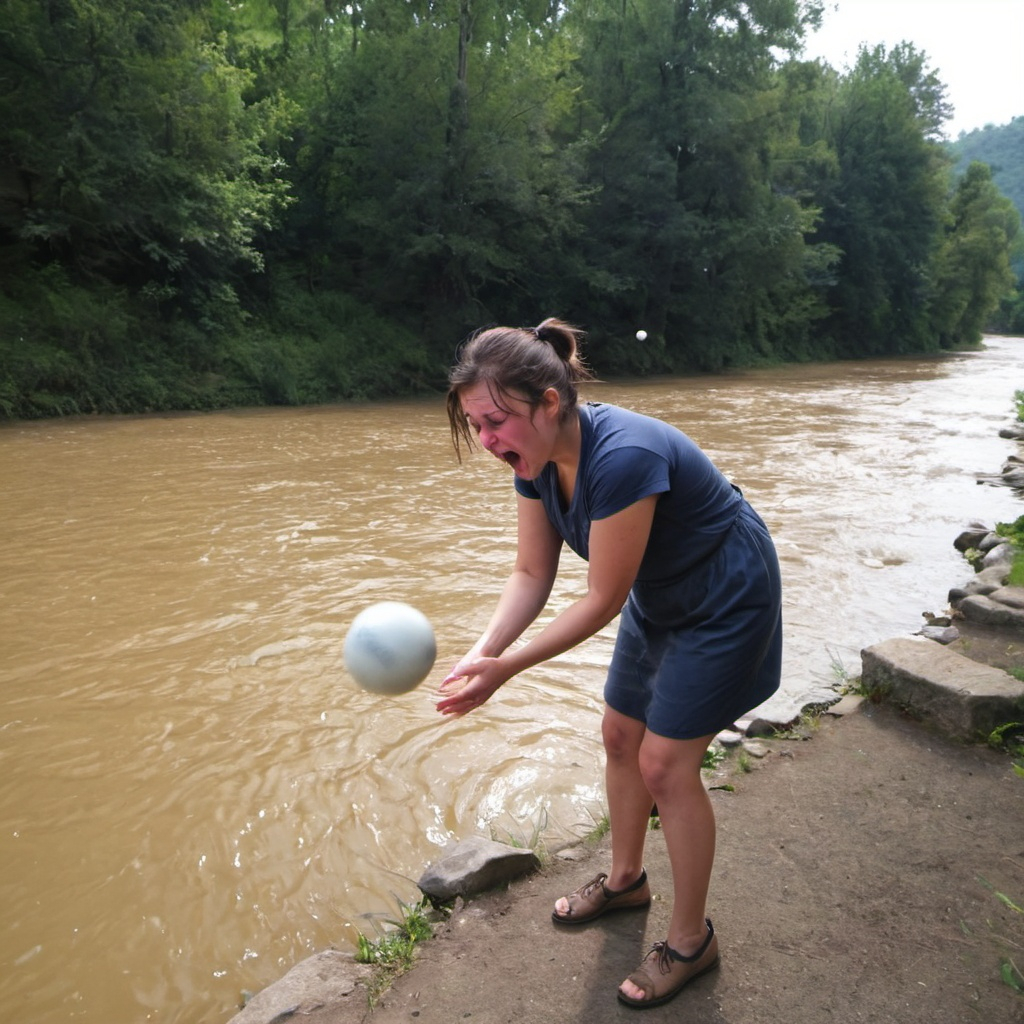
point(561, 336)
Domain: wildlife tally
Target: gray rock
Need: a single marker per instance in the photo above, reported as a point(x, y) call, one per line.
point(1014, 432)
point(972, 537)
point(475, 865)
point(849, 703)
point(990, 612)
point(573, 853)
point(1012, 597)
point(329, 979)
point(762, 727)
point(941, 634)
point(990, 541)
point(1001, 554)
point(985, 582)
point(964, 698)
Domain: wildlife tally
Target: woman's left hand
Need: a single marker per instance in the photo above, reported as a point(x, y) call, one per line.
point(470, 684)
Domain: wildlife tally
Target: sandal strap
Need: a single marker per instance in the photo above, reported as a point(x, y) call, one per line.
point(612, 893)
point(668, 951)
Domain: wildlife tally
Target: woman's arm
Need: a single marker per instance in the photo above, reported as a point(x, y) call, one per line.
point(523, 597)
point(528, 587)
point(617, 546)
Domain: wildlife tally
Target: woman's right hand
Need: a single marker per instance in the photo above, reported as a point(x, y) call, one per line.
point(472, 682)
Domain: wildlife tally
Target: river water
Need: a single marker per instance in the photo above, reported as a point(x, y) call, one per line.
point(194, 796)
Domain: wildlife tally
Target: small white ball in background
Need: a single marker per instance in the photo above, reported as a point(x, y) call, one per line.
point(641, 335)
point(390, 648)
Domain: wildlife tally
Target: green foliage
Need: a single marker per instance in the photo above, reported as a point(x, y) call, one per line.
point(973, 271)
point(393, 953)
point(1014, 533)
point(1009, 317)
point(1018, 401)
point(687, 234)
point(713, 757)
point(395, 948)
point(286, 201)
point(884, 209)
point(1011, 975)
point(1001, 147)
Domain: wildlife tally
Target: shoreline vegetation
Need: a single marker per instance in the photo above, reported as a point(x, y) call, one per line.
point(212, 205)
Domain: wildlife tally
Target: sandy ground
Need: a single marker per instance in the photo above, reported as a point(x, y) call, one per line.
point(873, 872)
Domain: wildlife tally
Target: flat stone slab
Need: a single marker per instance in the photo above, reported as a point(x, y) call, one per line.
point(964, 698)
point(329, 980)
point(1002, 608)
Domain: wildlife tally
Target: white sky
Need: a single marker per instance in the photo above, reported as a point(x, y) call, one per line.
point(975, 46)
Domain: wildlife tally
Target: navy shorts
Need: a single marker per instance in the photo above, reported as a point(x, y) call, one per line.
point(694, 655)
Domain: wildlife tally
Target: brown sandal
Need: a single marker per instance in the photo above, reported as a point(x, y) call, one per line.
point(593, 899)
point(664, 972)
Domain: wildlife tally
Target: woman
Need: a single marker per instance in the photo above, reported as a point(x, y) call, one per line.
point(678, 551)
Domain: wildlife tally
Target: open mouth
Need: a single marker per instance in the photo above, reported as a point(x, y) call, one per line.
point(512, 458)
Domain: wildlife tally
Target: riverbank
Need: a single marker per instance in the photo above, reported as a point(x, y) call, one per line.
point(876, 871)
point(873, 872)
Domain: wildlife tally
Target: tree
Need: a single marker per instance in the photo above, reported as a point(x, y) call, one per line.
point(137, 175)
point(689, 237)
point(884, 209)
point(973, 266)
point(431, 167)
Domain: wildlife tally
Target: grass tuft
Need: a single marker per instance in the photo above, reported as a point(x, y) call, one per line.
point(392, 954)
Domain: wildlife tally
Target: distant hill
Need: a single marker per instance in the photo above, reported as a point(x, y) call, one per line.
point(1002, 148)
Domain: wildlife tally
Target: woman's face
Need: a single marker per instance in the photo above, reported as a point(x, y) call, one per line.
point(511, 429)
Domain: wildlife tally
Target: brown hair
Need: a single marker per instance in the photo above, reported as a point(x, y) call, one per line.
point(526, 360)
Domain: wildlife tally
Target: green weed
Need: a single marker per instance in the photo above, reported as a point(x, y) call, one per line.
point(1011, 975)
point(392, 953)
point(535, 840)
point(1014, 533)
point(713, 757)
point(1010, 737)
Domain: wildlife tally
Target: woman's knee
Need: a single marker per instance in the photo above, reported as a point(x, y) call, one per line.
point(668, 766)
point(622, 736)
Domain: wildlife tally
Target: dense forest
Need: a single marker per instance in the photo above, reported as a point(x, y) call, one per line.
point(1002, 148)
point(228, 202)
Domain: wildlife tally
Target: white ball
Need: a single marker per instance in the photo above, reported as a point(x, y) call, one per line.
point(641, 335)
point(390, 648)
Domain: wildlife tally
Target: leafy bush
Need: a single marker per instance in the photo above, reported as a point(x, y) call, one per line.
point(1014, 533)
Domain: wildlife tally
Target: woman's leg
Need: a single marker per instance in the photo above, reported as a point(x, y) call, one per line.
point(629, 802)
point(670, 770)
point(629, 799)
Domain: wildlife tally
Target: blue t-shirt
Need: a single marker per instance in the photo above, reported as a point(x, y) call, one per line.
point(624, 457)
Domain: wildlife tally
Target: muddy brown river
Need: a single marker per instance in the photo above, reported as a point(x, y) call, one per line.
point(194, 796)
